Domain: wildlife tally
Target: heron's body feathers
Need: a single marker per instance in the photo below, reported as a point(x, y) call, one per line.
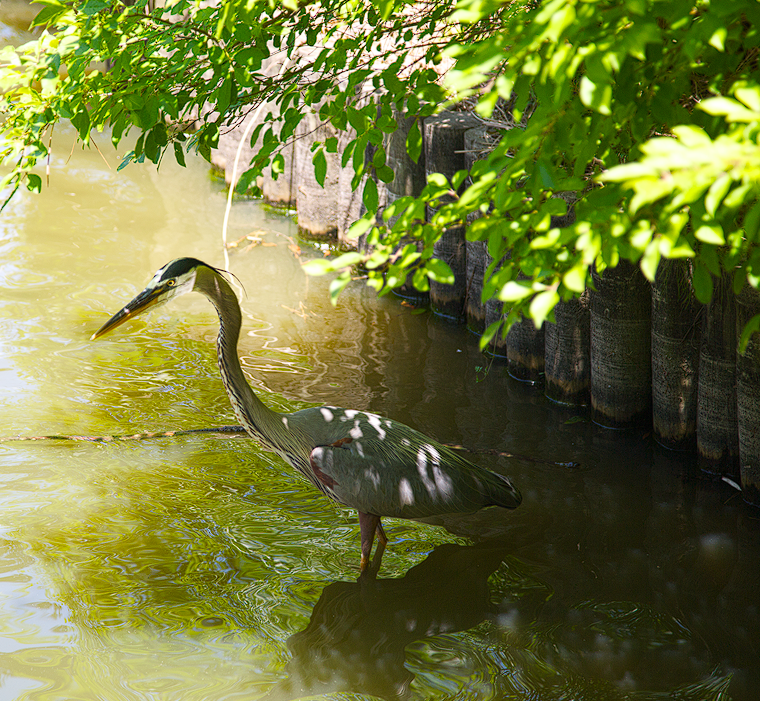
point(375, 465)
point(383, 467)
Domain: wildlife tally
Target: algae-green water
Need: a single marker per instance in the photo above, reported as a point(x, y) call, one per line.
point(200, 567)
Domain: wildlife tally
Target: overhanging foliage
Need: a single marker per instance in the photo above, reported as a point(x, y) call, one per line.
point(660, 98)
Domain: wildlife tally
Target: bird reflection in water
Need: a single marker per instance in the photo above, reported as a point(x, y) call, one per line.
point(356, 639)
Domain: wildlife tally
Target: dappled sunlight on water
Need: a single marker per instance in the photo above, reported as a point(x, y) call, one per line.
point(200, 567)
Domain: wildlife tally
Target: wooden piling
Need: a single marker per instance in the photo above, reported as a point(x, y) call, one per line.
point(316, 204)
point(525, 352)
point(748, 396)
point(620, 347)
point(409, 181)
point(717, 430)
point(676, 331)
point(477, 145)
point(567, 368)
point(444, 153)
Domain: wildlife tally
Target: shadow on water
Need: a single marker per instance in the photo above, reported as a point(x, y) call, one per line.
point(358, 633)
point(475, 617)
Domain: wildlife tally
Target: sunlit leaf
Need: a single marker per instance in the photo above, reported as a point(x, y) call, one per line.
point(318, 266)
point(712, 234)
point(439, 271)
point(515, 291)
point(414, 142)
point(751, 327)
point(541, 306)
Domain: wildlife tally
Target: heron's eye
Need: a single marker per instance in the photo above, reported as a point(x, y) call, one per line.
point(171, 283)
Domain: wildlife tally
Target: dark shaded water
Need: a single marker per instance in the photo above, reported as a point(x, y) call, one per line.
point(198, 567)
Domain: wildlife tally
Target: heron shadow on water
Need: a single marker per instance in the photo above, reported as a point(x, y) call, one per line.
point(367, 462)
point(358, 632)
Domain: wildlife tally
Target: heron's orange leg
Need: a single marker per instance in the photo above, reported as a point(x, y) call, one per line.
point(382, 541)
point(368, 525)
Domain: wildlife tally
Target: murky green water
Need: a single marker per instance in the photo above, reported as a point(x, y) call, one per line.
point(199, 567)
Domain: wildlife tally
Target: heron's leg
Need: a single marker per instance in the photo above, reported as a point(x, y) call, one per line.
point(368, 524)
point(382, 541)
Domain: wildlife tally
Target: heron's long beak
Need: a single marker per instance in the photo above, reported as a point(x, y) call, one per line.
point(145, 300)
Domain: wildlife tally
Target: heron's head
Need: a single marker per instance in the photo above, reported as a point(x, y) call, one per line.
point(174, 279)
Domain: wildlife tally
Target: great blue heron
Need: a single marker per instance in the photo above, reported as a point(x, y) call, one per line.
point(375, 465)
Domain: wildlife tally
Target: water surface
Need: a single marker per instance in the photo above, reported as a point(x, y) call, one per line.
point(200, 567)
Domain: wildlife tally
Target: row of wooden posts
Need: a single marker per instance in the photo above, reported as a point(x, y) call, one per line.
point(638, 354)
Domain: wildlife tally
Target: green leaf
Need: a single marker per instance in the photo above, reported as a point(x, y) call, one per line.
point(33, 182)
point(731, 109)
point(179, 154)
point(716, 193)
point(489, 334)
point(439, 271)
point(92, 7)
point(712, 234)
point(278, 165)
point(49, 14)
point(750, 96)
point(752, 326)
point(514, 291)
point(414, 142)
point(702, 281)
point(126, 161)
point(359, 227)
point(318, 266)
point(338, 285)
point(347, 260)
point(541, 306)
point(575, 278)
point(320, 166)
point(370, 196)
point(81, 122)
point(596, 96)
point(651, 260)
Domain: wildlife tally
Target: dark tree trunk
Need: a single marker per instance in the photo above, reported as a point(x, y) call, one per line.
point(675, 356)
point(621, 339)
point(444, 153)
point(717, 432)
point(748, 396)
point(567, 363)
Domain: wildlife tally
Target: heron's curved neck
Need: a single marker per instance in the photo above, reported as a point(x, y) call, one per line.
point(257, 418)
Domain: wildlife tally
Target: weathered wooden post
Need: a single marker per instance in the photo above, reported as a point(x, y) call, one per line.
point(567, 367)
point(620, 347)
point(498, 345)
point(409, 180)
point(316, 205)
point(477, 145)
point(676, 330)
point(748, 396)
point(717, 431)
point(282, 190)
point(444, 153)
point(526, 351)
point(526, 345)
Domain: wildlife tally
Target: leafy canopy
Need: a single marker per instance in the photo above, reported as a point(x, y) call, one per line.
point(648, 109)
